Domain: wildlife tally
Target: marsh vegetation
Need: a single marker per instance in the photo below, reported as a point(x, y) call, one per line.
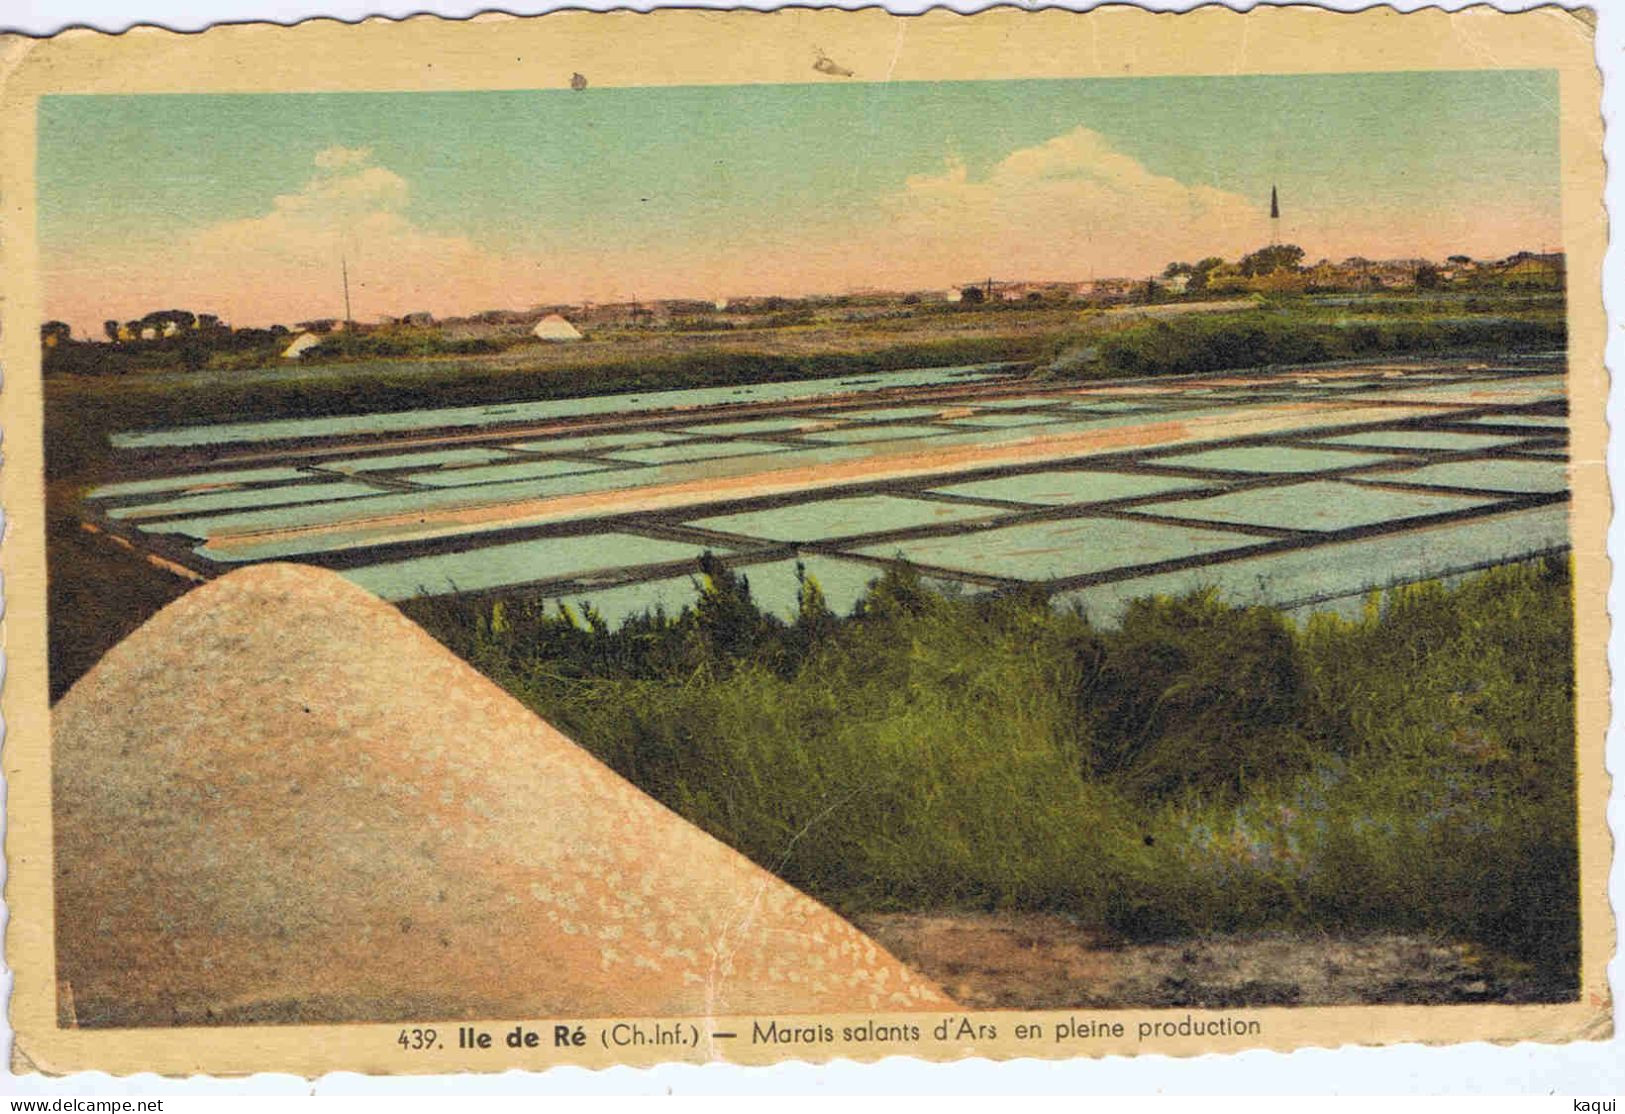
point(1199, 770)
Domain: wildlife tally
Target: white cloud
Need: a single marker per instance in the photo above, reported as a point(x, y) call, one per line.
point(332, 158)
point(347, 210)
point(1070, 206)
point(345, 206)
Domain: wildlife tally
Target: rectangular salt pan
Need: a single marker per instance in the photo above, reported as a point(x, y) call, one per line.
point(312, 492)
point(596, 442)
point(195, 480)
point(1111, 406)
point(696, 450)
point(748, 426)
point(874, 433)
point(549, 410)
point(1344, 568)
point(1317, 505)
point(496, 566)
point(496, 473)
point(834, 518)
point(1487, 475)
point(1270, 458)
point(1022, 403)
point(443, 458)
point(1052, 550)
point(889, 413)
point(1062, 488)
point(1554, 422)
point(1011, 418)
point(1486, 391)
point(1421, 439)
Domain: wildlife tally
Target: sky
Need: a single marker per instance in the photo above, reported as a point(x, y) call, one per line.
point(455, 202)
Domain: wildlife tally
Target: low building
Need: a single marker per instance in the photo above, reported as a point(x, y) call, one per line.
point(302, 343)
point(555, 328)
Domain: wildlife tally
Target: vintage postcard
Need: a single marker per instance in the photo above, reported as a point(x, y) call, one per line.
point(609, 539)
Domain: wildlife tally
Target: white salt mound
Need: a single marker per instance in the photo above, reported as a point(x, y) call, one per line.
point(281, 801)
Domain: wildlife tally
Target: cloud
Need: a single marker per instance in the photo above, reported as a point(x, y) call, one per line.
point(284, 263)
point(333, 158)
point(1070, 206)
point(350, 208)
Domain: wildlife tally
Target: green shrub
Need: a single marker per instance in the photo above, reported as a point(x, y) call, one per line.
point(1202, 768)
point(1192, 692)
point(1219, 342)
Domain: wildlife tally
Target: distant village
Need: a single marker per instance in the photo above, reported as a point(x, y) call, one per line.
point(181, 337)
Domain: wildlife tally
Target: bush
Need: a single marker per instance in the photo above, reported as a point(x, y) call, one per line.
point(1203, 768)
point(1193, 693)
point(1192, 345)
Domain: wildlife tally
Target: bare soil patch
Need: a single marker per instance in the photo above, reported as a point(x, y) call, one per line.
point(1048, 961)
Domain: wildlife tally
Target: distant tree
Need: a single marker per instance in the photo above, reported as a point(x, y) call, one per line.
point(1276, 257)
point(165, 322)
point(1196, 274)
point(1460, 260)
point(974, 295)
point(55, 333)
point(110, 327)
point(1225, 278)
point(1428, 277)
point(911, 299)
point(1203, 271)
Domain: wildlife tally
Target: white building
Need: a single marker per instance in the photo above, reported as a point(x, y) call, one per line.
point(302, 343)
point(554, 327)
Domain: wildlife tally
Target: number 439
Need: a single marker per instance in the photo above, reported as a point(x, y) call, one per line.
point(415, 1040)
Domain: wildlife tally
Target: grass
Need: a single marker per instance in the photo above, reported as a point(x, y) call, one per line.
point(1306, 334)
point(1200, 769)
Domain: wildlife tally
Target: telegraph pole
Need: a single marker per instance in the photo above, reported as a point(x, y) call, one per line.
point(344, 271)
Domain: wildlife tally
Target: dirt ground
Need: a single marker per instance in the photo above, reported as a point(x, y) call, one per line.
point(1047, 961)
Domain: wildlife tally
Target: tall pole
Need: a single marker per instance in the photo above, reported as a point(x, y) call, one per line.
point(344, 270)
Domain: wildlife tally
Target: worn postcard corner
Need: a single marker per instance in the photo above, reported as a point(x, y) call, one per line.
point(589, 540)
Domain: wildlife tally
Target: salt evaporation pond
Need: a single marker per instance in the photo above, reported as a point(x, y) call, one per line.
point(554, 409)
point(516, 563)
point(837, 518)
point(1343, 571)
point(1094, 490)
point(1315, 505)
